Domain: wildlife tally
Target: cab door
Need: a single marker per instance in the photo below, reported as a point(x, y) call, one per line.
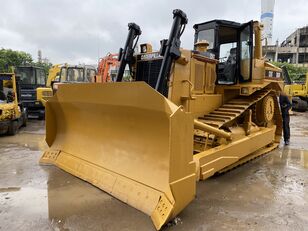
point(245, 52)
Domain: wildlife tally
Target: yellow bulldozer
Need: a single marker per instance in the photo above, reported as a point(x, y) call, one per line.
point(188, 114)
point(65, 73)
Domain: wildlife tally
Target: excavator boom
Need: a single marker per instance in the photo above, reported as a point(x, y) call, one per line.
point(104, 68)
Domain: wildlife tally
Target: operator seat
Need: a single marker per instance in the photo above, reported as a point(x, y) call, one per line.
point(230, 66)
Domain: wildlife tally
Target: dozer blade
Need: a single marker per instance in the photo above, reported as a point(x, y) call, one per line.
point(126, 139)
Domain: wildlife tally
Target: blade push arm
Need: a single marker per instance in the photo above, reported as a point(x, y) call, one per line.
point(126, 54)
point(170, 48)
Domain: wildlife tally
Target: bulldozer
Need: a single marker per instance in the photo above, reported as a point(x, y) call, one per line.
point(187, 115)
point(65, 73)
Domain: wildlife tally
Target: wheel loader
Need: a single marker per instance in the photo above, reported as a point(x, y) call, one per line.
point(188, 114)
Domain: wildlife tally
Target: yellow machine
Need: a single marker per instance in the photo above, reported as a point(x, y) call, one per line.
point(54, 73)
point(45, 93)
point(188, 115)
point(65, 73)
point(12, 114)
point(73, 74)
point(297, 92)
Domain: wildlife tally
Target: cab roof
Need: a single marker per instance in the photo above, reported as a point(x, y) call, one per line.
point(214, 23)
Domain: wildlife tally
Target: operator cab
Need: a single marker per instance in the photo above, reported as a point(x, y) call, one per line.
point(76, 74)
point(31, 76)
point(7, 91)
point(232, 44)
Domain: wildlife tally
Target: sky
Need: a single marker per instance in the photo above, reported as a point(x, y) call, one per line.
point(81, 31)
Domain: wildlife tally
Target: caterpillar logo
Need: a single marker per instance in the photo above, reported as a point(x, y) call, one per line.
point(150, 56)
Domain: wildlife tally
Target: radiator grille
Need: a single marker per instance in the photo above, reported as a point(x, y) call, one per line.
point(148, 71)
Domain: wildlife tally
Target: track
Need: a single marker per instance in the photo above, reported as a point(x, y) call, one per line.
point(233, 109)
point(228, 114)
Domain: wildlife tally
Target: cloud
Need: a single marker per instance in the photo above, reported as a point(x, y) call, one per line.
point(79, 31)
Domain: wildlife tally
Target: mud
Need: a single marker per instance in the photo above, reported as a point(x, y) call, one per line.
point(269, 193)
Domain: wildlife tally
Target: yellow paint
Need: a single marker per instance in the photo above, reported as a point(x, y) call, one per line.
point(297, 90)
point(304, 158)
point(10, 111)
point(148, 150)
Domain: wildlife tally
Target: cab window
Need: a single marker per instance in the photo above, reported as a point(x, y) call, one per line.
point(90, 75)
point(40, 77)
point(27, 75)
point(245, 54)
point(208, 35)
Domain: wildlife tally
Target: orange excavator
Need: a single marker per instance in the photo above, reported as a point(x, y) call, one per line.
point(107, 68)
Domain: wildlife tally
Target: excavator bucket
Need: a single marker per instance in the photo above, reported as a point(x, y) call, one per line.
point(128, 140)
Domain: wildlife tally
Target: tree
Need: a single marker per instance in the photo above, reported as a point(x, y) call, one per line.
point(44, 65)
point(297, 74)
point(11, 58)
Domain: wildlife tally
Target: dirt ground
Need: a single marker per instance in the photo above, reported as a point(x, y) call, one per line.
point(269, 193)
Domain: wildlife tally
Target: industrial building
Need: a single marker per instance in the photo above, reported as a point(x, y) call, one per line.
point(294, 49)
